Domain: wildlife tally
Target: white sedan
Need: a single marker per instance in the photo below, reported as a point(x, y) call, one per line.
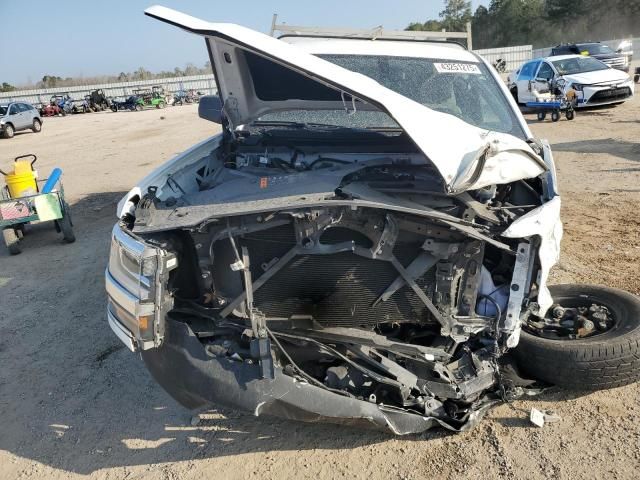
point(594, 82)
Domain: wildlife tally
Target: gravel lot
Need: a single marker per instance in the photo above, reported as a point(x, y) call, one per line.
point(75, 403)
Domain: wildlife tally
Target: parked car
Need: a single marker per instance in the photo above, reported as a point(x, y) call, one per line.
point(98, 101)
point(17, 116)
point(366, 242)
point(604, 53)
point(132, 102)
point(153, 97)
point(65, 104)
point(593, 82)
point(50, 110)
point(186, 96)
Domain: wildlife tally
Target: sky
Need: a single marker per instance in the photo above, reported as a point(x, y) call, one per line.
point(69, 38)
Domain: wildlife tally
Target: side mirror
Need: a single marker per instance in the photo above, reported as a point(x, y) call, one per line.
point(210, 108)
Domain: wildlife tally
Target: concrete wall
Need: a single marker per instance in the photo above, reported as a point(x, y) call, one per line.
point(514, 56)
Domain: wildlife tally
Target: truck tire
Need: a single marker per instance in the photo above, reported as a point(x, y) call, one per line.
point(606, 359)
point(11, 240)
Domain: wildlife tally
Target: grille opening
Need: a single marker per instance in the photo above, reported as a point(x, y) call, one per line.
point(335, 235)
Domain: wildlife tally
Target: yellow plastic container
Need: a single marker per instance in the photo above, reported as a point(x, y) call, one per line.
point(22, 181)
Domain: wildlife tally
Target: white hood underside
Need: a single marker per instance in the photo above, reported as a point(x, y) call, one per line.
point(453, 146)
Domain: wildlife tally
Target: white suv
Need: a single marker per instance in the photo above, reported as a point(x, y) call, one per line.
point(18, 116)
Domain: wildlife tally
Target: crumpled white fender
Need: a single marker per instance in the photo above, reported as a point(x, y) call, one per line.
point(544, 222)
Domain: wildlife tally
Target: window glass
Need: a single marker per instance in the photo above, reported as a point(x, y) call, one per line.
point(528, 70)
point(467, 91)
point(13, 109)
point(23, 107)
point(595, 49)
point(545, 71)
point(573, 65)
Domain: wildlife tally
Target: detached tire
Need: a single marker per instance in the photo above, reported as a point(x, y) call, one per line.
point(605, 360)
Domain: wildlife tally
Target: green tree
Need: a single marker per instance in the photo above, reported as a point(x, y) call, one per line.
point(455, 15)
point(428, 26)
point(7, 87)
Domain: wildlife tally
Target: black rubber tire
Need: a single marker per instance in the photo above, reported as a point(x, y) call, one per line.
point(66, 225)
point(11, 240)
point(610, 359)
point(555, 116)
point(37, 126)
point(571, 114)
point(138, 108)
point(8, 131)
point(542, 116)
point(514, 94)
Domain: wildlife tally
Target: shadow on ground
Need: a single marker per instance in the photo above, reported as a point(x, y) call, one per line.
point(611, 146)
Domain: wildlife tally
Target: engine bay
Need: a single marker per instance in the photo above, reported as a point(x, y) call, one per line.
point(378, 286)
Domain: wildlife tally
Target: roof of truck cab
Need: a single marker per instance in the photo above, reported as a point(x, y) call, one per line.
point(393, 48)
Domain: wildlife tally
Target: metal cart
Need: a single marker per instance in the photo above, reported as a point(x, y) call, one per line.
point(46, 204)
point(555, 101)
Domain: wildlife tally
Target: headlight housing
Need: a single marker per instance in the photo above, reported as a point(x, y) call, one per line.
point(578, 87)
point(136, 278)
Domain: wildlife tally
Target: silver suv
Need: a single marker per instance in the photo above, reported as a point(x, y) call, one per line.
point(18, 116)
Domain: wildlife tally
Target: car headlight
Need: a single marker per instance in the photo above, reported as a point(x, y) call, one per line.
point(137, 297)
point(578, 87)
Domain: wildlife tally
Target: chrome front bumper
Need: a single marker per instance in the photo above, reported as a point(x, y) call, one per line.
point(121, 332)
point(123, 308)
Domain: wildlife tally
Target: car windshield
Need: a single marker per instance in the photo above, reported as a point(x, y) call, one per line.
point(595, 48)
point(463, 89)
point(3, 110)
point(570, 66)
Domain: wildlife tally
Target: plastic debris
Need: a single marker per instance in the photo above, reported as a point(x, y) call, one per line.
point(540, 417)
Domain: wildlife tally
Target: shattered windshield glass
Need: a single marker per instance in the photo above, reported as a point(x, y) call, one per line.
point(573, 65)
point(463, 89)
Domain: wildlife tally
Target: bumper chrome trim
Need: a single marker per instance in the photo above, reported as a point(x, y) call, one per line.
point(121, 332)
point(124, 298)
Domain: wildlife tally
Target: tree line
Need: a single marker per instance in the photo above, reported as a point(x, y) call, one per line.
point(540, 23)
point(51, 81)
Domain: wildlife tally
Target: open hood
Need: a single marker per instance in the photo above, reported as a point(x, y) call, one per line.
point(466, 156)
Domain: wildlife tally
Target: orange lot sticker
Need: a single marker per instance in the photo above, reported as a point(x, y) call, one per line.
point(264, 182)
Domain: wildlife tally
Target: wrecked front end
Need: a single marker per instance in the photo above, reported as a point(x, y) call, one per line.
point(334, 290)
point(372, 267)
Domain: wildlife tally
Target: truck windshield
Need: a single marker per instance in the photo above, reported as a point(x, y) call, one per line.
point(595, 49)
point(466, 90)
point(573, 65)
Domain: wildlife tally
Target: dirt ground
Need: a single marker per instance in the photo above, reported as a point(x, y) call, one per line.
point(75, 403)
